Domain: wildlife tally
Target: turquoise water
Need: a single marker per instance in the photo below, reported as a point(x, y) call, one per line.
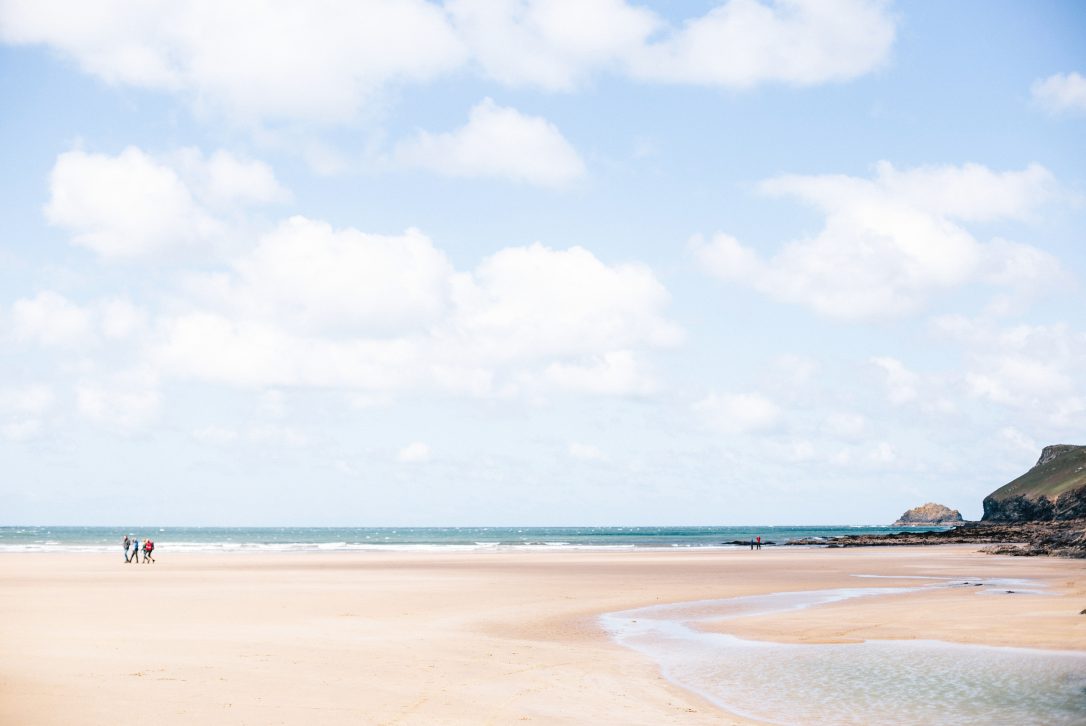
point(857, 684)
point(284, 539)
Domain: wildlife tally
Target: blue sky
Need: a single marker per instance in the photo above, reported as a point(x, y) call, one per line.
point(536, 262)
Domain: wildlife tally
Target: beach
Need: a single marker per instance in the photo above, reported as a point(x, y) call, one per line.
point(465, 637)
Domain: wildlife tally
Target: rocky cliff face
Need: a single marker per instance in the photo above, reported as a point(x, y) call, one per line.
point(1053, 490)
point(930, 513)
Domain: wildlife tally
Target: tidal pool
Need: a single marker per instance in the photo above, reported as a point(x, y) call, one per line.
point(873, 682)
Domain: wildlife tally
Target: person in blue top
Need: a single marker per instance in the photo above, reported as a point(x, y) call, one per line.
point(135, 550)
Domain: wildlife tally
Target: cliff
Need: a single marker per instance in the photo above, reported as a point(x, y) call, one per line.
point(1053, 490)
point(930, 513)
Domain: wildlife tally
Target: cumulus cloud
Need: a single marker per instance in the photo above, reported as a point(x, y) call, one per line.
point(738, 413)
point(616, 373)
point(496, 142)
point(121, 319)
point(307, 276)
point(316, 60)
point(51, 319)
point(32, 400)
point(414, 453)
point(585, 452)
point(1033, 369)
point(1060, 93)
point(314, 306)
point(742, 43)
point(324, 60)
point(23, 430)
point(121, 404)
point(134, 205)
point(555, 45)
point(891, 242)
point(902, 384)
point(222, 180)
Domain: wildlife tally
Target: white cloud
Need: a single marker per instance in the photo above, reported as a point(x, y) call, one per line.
point(846, 424)
point(585, 452)
point(324, 60)
point(223, 180)
point(559, 44)
point(121, 319)
point(882, 453)
point(1034, 369)
point(124, 206)
point(496, 142)
point(891, 242)
point(554, 44)
point(901, 383)
point(414, 453)
point(309, 277)
point(123, 404)
point(23, 407)
point(537, 301)
point(51, 319)
point(217, 435)
point(615, 373)
point(277, 436)
point(313, 306)
point(22, 430)
point(1060, 93)
point(316, 60)
point(33, 400)
point(738, 413)
point(133, 205)
point(742, 43)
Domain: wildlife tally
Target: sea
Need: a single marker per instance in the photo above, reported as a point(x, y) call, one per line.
point(324, 539)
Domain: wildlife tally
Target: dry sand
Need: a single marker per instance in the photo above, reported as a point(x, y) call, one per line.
point(465, 638)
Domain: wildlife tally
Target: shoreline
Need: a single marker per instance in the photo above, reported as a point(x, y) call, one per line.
point(463, 637)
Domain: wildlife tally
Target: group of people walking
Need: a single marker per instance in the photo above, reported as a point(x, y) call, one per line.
point(132, 549)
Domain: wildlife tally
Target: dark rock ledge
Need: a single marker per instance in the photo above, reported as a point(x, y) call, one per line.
point(1059, 539)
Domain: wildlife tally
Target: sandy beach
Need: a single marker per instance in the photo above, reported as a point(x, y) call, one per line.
point(462, 638)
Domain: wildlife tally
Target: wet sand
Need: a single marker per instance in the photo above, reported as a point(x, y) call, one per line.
point(463, 638)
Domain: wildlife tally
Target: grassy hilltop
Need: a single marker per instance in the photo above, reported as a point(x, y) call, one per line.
point(1055, 488)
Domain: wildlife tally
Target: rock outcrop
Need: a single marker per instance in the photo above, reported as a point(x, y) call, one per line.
point(1042, 512)
point(1053, 490)
point(928, 514)
point(1029, 539)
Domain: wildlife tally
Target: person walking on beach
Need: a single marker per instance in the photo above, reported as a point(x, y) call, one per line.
point(125, 543)
point(758, 539)
point(135, 550)
point(751, 544)
point(148, 548)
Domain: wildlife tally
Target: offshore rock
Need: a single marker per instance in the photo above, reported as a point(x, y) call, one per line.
point(930, 513)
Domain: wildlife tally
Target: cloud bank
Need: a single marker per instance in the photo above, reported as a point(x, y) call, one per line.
point(890, 243)
point(323, 61)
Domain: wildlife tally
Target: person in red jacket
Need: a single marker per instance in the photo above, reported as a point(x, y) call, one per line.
point(148, 548)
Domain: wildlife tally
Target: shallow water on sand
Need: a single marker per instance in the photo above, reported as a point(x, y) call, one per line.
point(874, 682)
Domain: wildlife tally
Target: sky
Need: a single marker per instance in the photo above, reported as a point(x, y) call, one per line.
point(536, 262)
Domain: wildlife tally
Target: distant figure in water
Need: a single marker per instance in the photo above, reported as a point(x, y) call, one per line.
point(135, 551)
point(751, 544)
point(126, 543)
point(759, 541)
point(148, 548)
